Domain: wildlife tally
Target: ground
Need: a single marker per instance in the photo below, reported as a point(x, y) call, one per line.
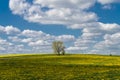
point(64, 67)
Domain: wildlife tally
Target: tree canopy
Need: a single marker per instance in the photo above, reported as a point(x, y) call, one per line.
point(58, 47)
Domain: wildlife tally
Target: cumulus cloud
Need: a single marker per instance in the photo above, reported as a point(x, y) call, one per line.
point(101, 38)
point(65, 38)
point(28, 41)
point(9, 30)
point(108, 1)
point(54, 12)
point(32, 33)
point(66, 4)
point(72, 13)
point(4, 45)
point(18, 6)
point(110, 44)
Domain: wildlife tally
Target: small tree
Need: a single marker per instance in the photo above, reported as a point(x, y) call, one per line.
point(63, 50)
point(58, 47)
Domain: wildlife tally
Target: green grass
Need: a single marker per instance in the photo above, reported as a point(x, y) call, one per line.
point(53, 67)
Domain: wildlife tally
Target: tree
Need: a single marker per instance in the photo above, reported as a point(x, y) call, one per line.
point(58, 47)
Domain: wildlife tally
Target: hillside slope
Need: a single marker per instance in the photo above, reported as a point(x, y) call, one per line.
point(53, 67)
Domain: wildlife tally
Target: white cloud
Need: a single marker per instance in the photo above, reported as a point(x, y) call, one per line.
point(110, 44)
point(66, 4)
point(76, 49)
point(2, 49)
point(66, 38)
point(71, 13)
point(4, 42)
point(14, 38)
point(103, 38)
point(108, 1)
point(29, 41)
point(18, 6)
point(110, 27)
point(4, 45)
point(9, 30)
point(58, 12)
point(26, 40)
point(98, 38)
point(32, 33)
point(39, 43)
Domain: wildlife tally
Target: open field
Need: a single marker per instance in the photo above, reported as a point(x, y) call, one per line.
point(53, 67)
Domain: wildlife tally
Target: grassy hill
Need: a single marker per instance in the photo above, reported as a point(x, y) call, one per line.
point(53, 67)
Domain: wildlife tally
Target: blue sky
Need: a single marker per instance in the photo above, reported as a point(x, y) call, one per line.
point(30, 26)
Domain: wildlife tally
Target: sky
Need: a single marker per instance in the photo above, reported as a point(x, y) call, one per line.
point(85, 26)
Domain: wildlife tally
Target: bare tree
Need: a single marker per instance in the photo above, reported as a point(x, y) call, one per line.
point(58, 47)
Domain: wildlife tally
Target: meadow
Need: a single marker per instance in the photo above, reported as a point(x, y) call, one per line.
point(63, 67)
